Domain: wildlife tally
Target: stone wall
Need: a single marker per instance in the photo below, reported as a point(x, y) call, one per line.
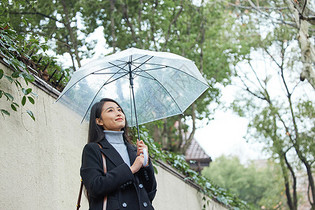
point(40, 160)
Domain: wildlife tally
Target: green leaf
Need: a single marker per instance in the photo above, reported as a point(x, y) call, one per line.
point(9, 78)
point(18, 84)
point(31, 100)
point(1, 73)
point(27, 91)
point(1, 93)
point(5, 112)
point(24, 20)
point(23, 100)
point(15, 104)
point(9, 96)
point(15, 74)
point(28, 78)
point(13, 107)
point(30, 113)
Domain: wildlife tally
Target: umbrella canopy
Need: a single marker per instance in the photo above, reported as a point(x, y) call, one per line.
point(155, 85)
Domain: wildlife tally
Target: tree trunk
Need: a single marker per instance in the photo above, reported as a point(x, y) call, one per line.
point(164, 135)
point(71, 54)
point(295, 203)
point(286, 183)
point(139, 22)
point(112, 24)
point(311, 184)
point(307, 49)
point(180, 133)
point(192, 134)
point(126, 17)
point(72, 36)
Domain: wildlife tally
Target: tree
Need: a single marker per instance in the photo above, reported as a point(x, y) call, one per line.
point(199, 32)
point(258, 185)
point(304, 18)
point(193, 31)
point(298, 15)
point(277, 118)
point(26, 57)
point(52, 20)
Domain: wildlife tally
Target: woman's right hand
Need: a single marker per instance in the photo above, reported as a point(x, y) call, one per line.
point(137, 164)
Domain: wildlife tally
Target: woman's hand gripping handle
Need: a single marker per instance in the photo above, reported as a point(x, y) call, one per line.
point(142, 157)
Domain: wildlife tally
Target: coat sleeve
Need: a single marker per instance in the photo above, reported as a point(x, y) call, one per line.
point(147, 177)
point(97, 183)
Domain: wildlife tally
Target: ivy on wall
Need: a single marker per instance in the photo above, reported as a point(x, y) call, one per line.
point(208, 188)
point(11, 51)
point(27, 58)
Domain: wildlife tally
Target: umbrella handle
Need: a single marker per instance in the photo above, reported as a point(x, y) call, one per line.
point(145, 154)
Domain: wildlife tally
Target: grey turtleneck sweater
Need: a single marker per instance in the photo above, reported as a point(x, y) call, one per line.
point(115, 138)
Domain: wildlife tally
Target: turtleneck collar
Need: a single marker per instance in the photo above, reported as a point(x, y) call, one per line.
point(114, 137)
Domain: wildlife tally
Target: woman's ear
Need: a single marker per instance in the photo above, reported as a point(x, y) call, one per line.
point(99, 121)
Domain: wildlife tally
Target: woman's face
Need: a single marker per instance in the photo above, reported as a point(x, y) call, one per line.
point(112, 117)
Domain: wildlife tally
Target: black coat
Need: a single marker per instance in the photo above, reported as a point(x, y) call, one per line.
point(123, 189)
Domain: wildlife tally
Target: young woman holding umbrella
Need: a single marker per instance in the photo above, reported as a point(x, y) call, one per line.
point(128, 181)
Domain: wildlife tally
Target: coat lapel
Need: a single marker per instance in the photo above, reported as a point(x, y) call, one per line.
point(110, 152)
point(132, 151)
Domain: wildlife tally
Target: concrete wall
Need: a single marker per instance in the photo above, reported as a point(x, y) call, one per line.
point(40, 160)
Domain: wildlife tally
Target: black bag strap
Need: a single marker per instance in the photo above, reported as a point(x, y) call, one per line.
point(80, 194)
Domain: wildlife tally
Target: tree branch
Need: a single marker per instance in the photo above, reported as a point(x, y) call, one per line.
point(36, 13)
point(192, 134)
point(171, 23)
point(126, 16)
point(293, 178)
point(112, 24)
point(259, 10)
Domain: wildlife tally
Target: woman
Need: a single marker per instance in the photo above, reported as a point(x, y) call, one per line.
point(127, 183)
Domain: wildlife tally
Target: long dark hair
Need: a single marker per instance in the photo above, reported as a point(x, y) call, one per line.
point(96, 132)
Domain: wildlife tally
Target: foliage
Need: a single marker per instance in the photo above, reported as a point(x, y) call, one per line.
point(178, 162)
point(201, 33)
point(54, 21)
point(272, 101)
point(259, 185)
point(24, 54)
point(10, 49)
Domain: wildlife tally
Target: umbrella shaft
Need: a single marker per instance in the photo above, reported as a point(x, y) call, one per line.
point(133, 98)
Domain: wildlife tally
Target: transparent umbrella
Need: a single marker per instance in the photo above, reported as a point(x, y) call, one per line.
point(148, 85)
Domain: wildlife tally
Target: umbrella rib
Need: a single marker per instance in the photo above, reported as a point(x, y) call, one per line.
point(165, 90)
point(165, 66)
point(137, 74)
point(141, 64)
point(106, 73)
point(134, 59)
point(106, 83)
point(83, 78)
point(149, 69)
point(121, 68)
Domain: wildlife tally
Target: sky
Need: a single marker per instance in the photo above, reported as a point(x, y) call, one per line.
point(225, 134)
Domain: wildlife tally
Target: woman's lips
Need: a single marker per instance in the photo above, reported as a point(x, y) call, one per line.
point(119, 119)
